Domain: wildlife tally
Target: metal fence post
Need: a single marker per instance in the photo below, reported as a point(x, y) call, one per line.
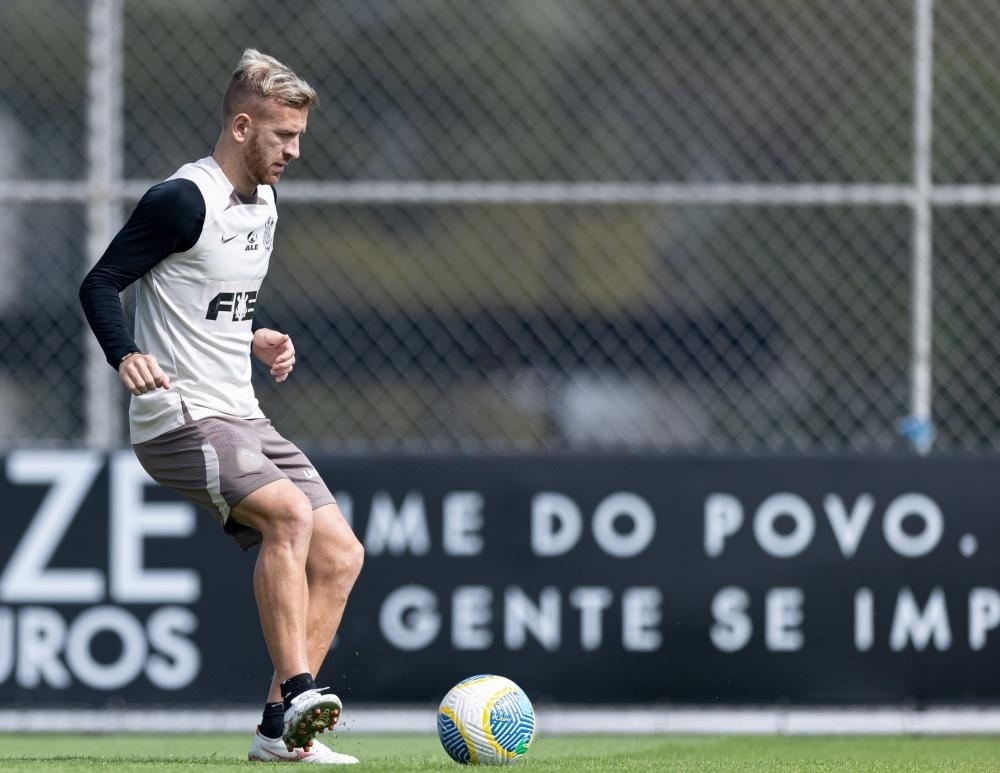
point(918, 427)
point(104, 171)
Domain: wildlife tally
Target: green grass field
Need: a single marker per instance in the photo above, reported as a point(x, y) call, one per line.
point(396, 753)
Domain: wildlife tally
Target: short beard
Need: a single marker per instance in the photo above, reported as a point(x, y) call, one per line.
point(255, 163)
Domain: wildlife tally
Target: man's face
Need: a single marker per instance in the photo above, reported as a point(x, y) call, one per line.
point(273, 142)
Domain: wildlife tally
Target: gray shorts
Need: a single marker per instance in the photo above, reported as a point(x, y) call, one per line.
point(217, 461)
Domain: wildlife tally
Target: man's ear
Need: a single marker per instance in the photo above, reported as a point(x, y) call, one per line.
point(240, 127)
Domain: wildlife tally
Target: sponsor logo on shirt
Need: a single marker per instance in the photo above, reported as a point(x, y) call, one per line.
point(238, 306)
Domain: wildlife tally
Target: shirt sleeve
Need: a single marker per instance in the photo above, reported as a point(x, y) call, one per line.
point(167, 219)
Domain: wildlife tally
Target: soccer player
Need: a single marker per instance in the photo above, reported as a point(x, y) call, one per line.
point(198, 245)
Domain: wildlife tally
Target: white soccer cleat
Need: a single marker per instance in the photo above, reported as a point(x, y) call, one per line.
point(310, 713)
point(264, 749)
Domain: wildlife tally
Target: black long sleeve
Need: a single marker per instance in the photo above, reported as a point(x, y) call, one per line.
point(167, 219)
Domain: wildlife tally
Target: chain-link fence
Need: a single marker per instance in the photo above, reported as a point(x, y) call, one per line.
point(694, 225)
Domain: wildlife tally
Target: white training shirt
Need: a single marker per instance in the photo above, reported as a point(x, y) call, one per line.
point(194, 309)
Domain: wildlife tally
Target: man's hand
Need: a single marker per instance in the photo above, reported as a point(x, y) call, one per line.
point(140, 373)
point(275, 350)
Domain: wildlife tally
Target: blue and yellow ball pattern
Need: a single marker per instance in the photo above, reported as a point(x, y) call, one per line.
point(486, 720)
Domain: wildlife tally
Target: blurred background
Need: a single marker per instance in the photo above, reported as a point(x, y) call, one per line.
point(693, 225)
point(648, 234)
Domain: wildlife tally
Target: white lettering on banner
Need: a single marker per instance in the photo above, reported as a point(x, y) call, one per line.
point(176, 660)
point(849, 526)
point(522, 616)
point(132, 521)
point(913, 506)
point(7, 649)
point(641, 617)
point(42, 648)
point(557, 524)
point(462, 523)
point(724, 516)
point(785, 525)
point(410, 618)
point(591, 602)
point(864, 620)
point(397, 531)
point(27, 577)
point(984, 615)
point(40, 645)
point(784, 506)
point(406, 529)
point(631, 508)
point(471, 614)
point(41, 635)
point(910, 624)
point(782, 619)
point(128, 631)
point(733, 628)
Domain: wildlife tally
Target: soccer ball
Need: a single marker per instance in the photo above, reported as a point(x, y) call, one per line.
point(486, 720)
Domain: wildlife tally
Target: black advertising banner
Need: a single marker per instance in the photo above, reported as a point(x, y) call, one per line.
point(611, 578)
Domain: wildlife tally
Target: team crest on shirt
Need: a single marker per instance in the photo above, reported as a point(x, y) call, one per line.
point(268, 233)
point(239, 307)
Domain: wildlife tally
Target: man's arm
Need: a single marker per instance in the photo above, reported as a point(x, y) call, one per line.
point(168, 219)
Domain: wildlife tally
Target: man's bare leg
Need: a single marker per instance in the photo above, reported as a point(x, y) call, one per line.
point(283, 516)
point(332, 567)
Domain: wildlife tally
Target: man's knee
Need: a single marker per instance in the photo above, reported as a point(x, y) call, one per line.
point(336, 558)
point(355, 557)
point(284, 518)
point(293, 519)
point(350, 556)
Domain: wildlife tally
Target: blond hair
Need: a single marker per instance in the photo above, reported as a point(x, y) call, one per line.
point(259, 78)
